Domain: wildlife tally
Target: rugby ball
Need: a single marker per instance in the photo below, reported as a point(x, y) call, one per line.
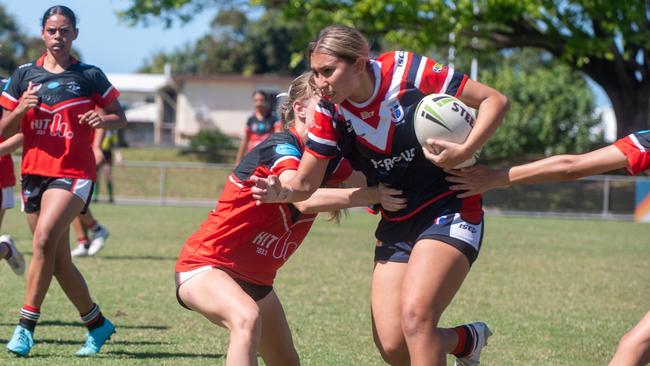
point(443, 117)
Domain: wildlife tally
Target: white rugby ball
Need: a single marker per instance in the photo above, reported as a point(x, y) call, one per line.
point(443, 117)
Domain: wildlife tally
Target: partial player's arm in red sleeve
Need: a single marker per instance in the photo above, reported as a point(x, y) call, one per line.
point(636, 148)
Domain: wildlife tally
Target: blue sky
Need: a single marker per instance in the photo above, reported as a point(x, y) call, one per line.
point(103, 40)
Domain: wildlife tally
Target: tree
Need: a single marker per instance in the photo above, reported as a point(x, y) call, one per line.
point(16, 48)
point(235, 44)
point(545, 118)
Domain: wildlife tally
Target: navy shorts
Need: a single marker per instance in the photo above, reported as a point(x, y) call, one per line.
point(33, 187)
point(454, 221)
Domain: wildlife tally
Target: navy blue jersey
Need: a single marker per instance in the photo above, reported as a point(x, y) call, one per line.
point(381, 130)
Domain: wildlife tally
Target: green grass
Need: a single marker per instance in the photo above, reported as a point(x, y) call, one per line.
point(555, 292)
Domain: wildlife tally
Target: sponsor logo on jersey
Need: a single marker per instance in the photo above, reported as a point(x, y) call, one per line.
point(287, 149)
point(437, 67)
point(367, 114)
point(7, 82)
point(282, 247)
point(402, 159)
point(55, 127)
point(396, 113)
point(444, 220)
point(401, 56)
point(53, 85)
point(73, 87)
point(25, 65)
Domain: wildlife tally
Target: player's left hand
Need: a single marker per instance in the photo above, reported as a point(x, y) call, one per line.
point(445, 154)
point(269, 189)
point(92, 119)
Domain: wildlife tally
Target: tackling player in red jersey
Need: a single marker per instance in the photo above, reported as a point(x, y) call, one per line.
point(8, 249)
point(226, 269)
point(426, 249)
point(56, 102)
point(631, 152)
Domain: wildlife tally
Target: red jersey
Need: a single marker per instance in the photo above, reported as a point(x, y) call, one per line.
point(259, 130)
point(249, 241)
point(380, 131)
point(636, 148)
point(7, 178)
point(56, 145)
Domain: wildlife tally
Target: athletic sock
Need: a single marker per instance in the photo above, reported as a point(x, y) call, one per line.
point(94, 226)
point(85, 242)
point(465, 344)
point(94, 318)
point(29, 316)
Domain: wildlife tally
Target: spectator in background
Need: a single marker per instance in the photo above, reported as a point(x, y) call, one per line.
point(262, 123)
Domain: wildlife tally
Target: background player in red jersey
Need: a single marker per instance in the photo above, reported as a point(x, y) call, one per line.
point(426, 249)
point(260, 125)
point(631, 152)
point(226, 269)
point(56, 102)
point(8, 249)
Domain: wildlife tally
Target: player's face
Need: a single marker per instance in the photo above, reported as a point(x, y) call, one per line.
point(336, 78)
point(58, 34)
point(259, 102)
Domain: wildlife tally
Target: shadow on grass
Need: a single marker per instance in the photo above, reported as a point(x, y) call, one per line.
point(163, 354)
point(59, 323)
point(115, 342)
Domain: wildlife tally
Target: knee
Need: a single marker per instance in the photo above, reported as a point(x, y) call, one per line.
point(247, 322)
point(634, 341)
point(416, 318)
point(42, 245)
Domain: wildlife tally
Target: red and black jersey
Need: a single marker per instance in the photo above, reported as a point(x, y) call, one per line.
point(56, 145)
point(259, 130)
point(7, 177)
point(381, 129)
point(248, 240)
point(636, 147)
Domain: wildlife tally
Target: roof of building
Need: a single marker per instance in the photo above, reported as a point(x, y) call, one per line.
point(142, 83)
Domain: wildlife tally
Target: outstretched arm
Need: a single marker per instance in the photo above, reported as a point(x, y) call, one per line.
point(332, 199)
point(300, 187)
point(479, 179)
point(11, 144)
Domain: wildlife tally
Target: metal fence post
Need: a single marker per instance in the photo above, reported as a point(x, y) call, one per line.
point(163, 178)
point(605, 196)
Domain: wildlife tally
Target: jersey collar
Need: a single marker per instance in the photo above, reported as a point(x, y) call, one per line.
point(41, 60)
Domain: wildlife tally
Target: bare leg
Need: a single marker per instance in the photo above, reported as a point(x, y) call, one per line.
point(634, 348)
point(276, 344)
point(79, 229)
point(58, 208)
point(216, 296)
point(426, 292)
point(70, 279)
point(387, 279)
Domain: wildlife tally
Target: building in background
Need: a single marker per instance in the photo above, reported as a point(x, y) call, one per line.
point(168, 110)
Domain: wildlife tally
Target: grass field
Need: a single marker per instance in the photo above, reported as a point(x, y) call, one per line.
point(555, 292)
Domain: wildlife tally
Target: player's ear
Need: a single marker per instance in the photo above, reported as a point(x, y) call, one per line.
point(76, 34)
point(360, 64)
point(299, 110)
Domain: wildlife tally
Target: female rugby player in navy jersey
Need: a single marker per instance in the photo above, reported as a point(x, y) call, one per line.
point(226, 268)
point(56, 102)
point(425, 250)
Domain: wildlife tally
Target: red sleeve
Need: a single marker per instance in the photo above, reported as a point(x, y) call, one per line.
point(434, 77)
point(322, 137)
point(340, 174)
point(288, 162)
point(636, 148)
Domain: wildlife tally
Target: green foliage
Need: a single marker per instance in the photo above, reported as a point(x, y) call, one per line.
point(213, 146)
point(16, 48)
point(551, 109)
point(235, 45)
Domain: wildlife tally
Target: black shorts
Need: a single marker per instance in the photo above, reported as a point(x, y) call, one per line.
point(457, 222)
point(256, 292)
point(108, 157)
point(33, 187)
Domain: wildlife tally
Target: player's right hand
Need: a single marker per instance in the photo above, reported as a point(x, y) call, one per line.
point(390, 199)
point(29, 99)
point(269, 189)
